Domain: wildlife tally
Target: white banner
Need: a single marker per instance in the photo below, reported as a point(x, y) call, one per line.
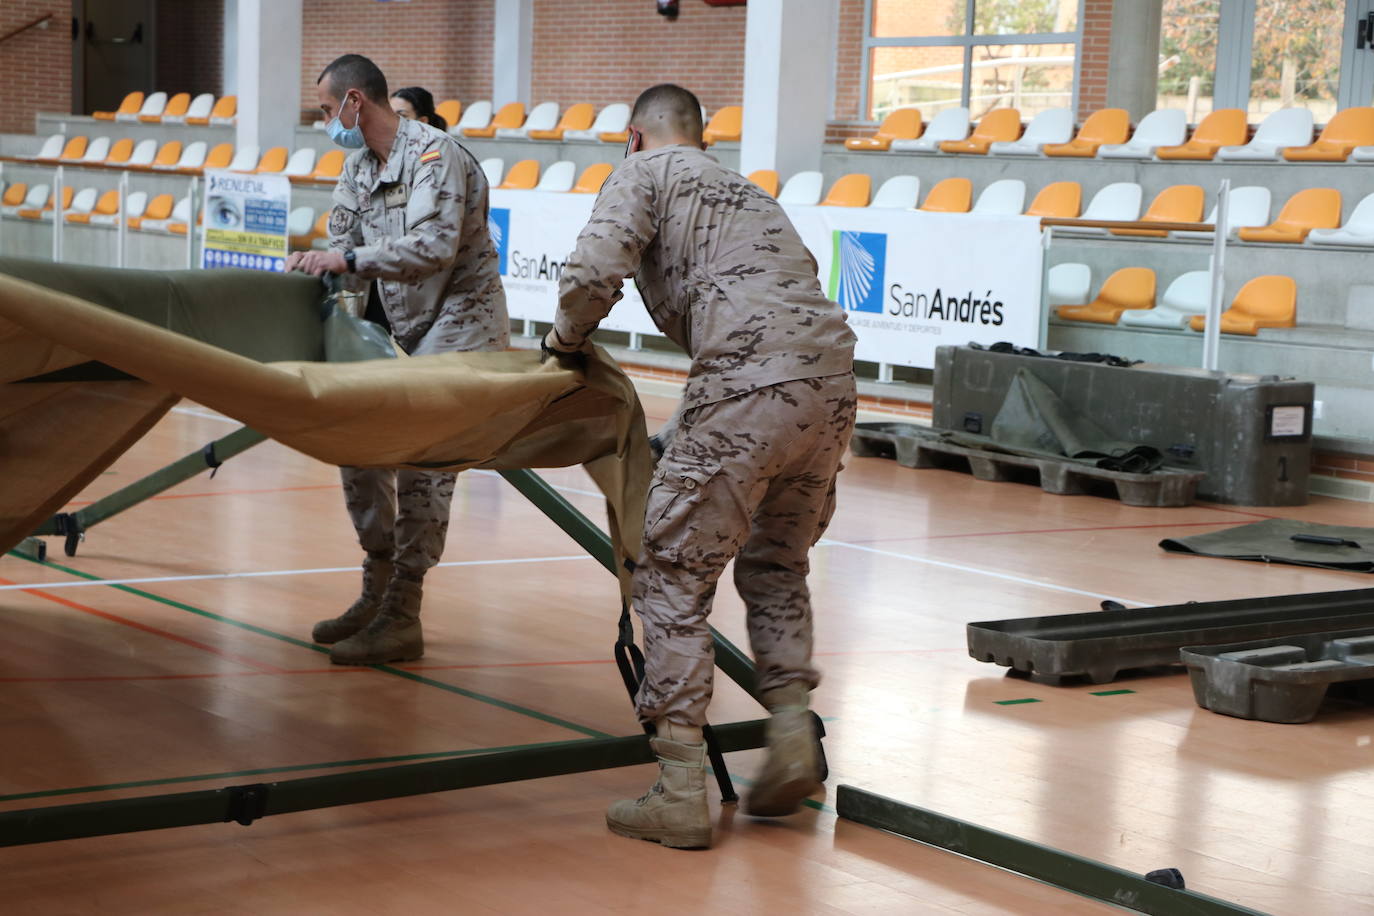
point(910, 281)
point(245, 221)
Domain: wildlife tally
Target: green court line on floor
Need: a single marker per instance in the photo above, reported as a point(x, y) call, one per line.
point(1016, 702)
point(262, 771)
point(271, 634)
point(1110, 693)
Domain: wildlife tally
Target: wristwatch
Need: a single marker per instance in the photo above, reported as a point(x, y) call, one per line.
point(351, 259)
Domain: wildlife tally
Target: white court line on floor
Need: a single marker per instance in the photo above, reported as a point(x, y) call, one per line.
point(205, 415)
point(80, 583)
point(1009, 577)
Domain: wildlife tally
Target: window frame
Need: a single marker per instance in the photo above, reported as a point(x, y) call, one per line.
point(968, 41)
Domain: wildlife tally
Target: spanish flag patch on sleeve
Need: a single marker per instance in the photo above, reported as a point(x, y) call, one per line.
point(430, 156)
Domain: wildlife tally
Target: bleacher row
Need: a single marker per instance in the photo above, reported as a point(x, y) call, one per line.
point(1224, 135)
point(1127, 297)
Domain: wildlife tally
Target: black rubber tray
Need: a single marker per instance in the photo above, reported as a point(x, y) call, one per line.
point(1100, 644)
point(1283, 679)
point(917, 447)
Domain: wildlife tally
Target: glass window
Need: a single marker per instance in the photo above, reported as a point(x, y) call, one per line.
point(1024, 17)
point(1296, 56)
point(1030, 78)
point(928, 78)
point(1188, 56)
point(919, 18)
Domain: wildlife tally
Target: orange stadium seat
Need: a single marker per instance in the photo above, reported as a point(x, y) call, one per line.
point(450, 110)
point(1001, 125)
point(168, 155)
point(725, 127)
point(131, 104)
point(120, 152)
point(1314, 208)
point(578, 117)
point(592, 178)
point(1060, 199)
point(1223, 127)
point(74, 150)
point(902, 124)
point(852, 190)
point(159, 208)
point(14, 194)
point(766, 179)
point(329, 166)
point(224, 111)
point(176, 108)
point(1128, 288)
point(952, 195)
point(1265, 302)
point(1110, 125)
point(219, 157)
point(1182, 203)
point(1346, 130)
point(272, 161)
point(510, 115)
point(108, 205)
point(523, 176)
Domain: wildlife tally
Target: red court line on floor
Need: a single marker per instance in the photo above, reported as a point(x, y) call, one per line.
point(115, 618)
point(322, 486)
point(990, 534)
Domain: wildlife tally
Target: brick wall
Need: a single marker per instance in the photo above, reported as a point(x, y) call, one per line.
point(604, 51)
point(1094, 53)
point(35, 67)
point(190, 47)
point(442, 45)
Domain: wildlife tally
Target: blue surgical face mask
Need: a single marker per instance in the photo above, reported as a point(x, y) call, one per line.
point(347, 137)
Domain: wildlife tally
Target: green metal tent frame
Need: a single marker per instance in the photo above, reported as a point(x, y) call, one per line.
point(244, 804)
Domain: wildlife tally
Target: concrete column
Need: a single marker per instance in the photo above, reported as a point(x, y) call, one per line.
point(230, 73)
point(786, 84)
point(269, 72)
point(1133, 73)
point(512, 49)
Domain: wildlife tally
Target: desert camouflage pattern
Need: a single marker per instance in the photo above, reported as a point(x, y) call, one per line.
point(418, 226)
point(750, 477)
point(400, 516)
point(721, 269)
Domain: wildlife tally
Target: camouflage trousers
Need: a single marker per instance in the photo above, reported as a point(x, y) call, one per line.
point(400, 516)
point(750, 478)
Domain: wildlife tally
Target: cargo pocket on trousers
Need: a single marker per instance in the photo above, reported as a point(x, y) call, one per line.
point(668, 509)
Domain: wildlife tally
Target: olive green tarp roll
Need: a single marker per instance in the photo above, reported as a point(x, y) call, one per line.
point(450, 411)
point(1271, 541)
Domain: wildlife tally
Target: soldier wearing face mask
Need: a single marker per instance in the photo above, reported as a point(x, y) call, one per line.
point(409, 228)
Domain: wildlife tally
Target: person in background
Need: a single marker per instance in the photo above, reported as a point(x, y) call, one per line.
point(416, 104)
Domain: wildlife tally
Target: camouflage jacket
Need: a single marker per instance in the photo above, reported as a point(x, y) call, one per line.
point(722, 271)
point(419, 228)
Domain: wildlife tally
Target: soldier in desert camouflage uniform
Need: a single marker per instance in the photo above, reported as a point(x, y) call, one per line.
point(409, 227)
point(750, 471)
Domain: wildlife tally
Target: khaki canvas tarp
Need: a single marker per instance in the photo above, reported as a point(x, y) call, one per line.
point(61, 422)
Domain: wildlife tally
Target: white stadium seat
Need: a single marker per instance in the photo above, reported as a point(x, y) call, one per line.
point(612, 119)
point(1166, 127)
point(1187, 296)
point(1117, 201)
point(192, 156)
point(494, 168)
point(300, 220)
point(544, 116)
point(301, 163)
point(1069, 284)
point(558, 177)
point(1005, 197)
point(144, 152)
point(152, 105)
point(83, 201)
point(1357, 232)
point(802, 188)
point(181, 213)
point(1248, 206)
point(37, 197)
point(98, 149)
point(1053, 125)
point(52, 147)
point(478, 114)
point(900, 192)
point(245, 159)
point(950, 124)
point(200, 107)
point(1284, 128)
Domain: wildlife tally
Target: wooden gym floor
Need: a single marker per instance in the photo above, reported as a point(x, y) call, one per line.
point(183, 668)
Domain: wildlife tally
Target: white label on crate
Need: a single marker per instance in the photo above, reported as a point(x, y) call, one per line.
point(1288, 421)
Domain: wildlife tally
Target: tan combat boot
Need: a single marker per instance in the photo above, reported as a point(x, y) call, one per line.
point(792, 770)
point(376, 574)
point(674, 811)
point(394, 635)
